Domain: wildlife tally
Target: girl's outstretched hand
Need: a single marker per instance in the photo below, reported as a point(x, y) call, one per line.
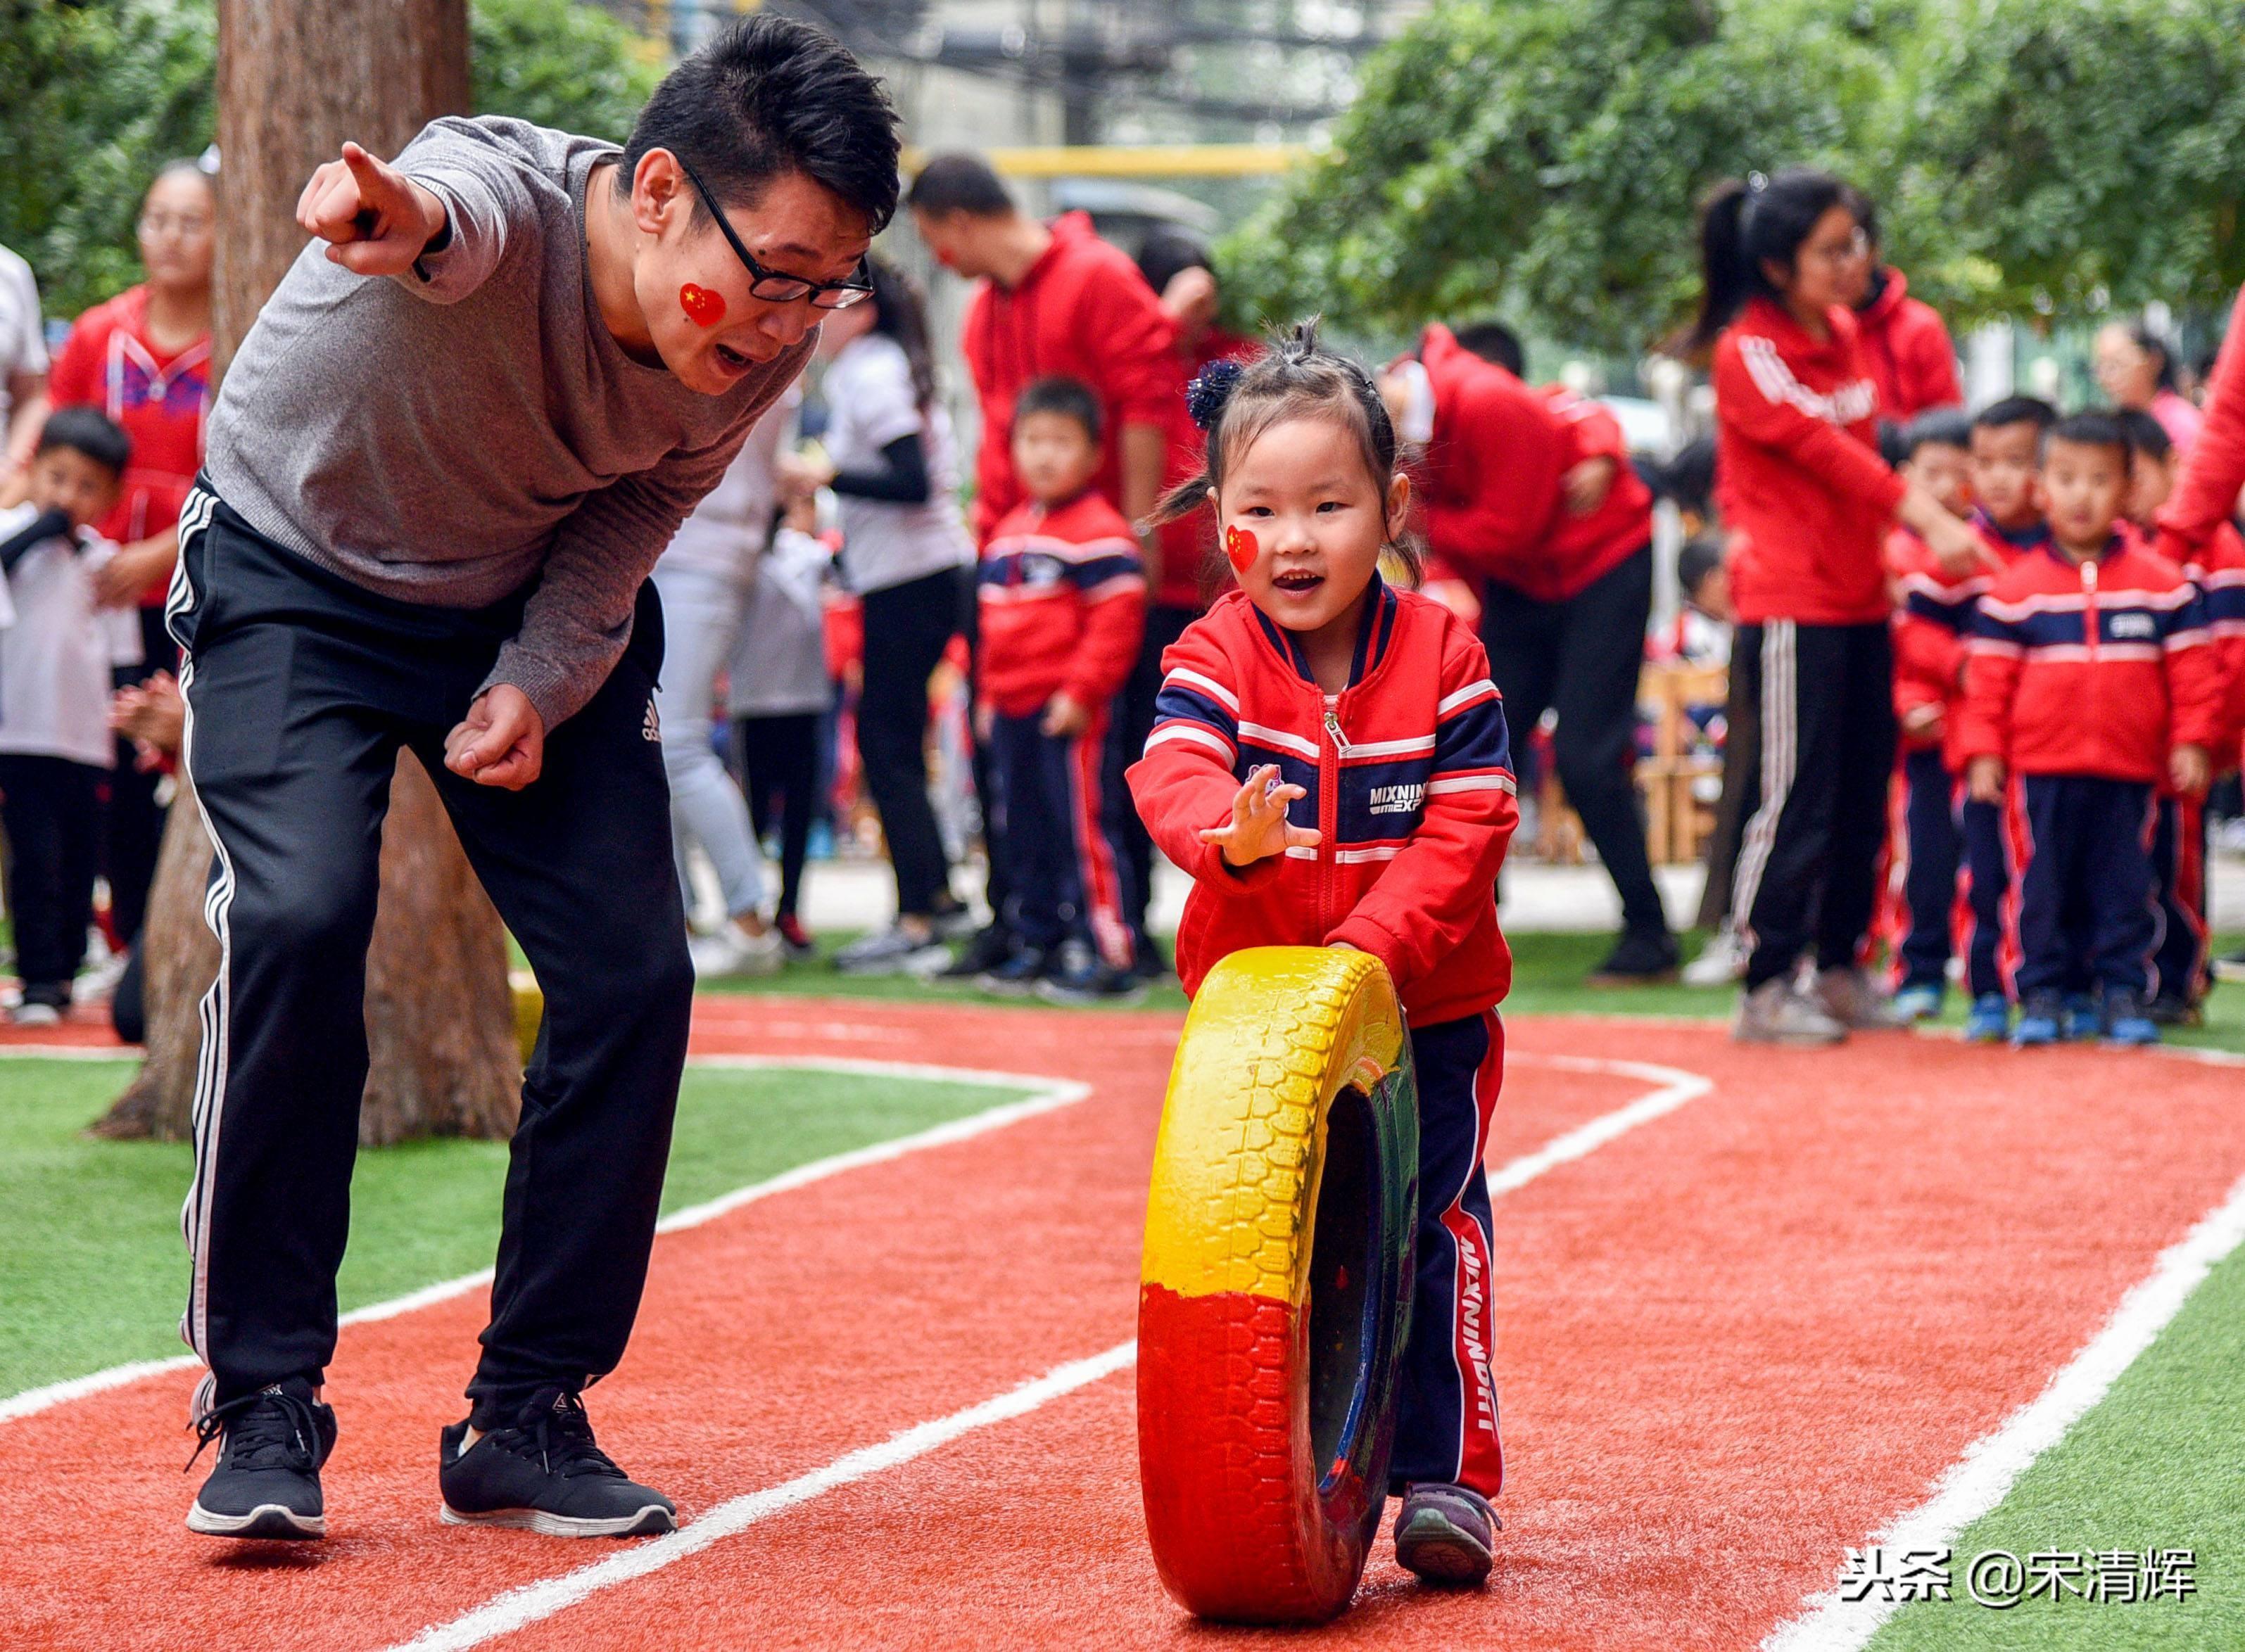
point(1259, 828)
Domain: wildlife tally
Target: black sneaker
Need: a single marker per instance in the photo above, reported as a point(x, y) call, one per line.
point(987, 948)
point(1640, 958)
point(1018, 975)
point(1086, 980)
point(543, 1473)
point(2172, 1009)
point(267, 1483)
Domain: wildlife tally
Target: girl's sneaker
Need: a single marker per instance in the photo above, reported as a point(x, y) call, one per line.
point(1919, 1002)
point(2085, 1018)
point(795, 938)
point(2126, 1023)
point(2039, 1024)
point(1446, 1533)
point(1990, 1021)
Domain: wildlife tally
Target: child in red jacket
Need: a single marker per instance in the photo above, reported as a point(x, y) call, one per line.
point(1933, 612)
point(1329, 763)
point(1060, 598)
point(2217, 567)
point(2090, 677)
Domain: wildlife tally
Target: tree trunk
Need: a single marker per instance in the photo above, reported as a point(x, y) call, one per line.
point(295, 77)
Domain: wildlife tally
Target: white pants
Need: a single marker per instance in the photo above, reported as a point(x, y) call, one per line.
point(701, 620)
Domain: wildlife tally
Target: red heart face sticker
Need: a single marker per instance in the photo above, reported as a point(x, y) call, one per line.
point(703, 307)
point(1240, 548)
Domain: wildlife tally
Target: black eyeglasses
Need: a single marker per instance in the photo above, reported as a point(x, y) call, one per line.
point(775, 287)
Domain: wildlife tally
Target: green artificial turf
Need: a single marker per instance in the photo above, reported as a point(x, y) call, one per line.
point(1549, 976)
point(92, 1270)
point(2157, 1466)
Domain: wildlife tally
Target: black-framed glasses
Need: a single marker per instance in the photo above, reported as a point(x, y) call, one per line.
point(777, 286)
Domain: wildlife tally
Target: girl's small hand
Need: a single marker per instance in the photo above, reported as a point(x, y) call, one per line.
point(1259, 828)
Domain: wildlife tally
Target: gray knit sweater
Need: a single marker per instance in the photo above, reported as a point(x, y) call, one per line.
point(449, 440)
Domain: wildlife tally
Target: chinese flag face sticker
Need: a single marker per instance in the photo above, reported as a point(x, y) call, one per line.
point(703, 307)
point(1240, 548)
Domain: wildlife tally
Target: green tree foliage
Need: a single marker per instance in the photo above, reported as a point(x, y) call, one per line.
point(2055, 155)
point(97, 96)
point(1542, 158)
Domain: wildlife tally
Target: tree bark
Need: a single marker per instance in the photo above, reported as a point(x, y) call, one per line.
point(296, 77)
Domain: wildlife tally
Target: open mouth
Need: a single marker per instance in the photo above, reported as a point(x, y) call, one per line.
point(732, 361)
point(1298, 579)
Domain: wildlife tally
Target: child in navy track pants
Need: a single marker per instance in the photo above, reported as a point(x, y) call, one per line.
point(1329, 763)
point(1062, 599)
point(2092, 678)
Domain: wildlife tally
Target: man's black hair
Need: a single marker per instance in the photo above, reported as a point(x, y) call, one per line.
point(87, 431)
point(1941, 427)
point(2145, 434)
point(1495, 341)
point(1069, 397)
point(766, 96)
point(959, 182)
point(2016, 409)
point(2096, 428)
point(1167, 253)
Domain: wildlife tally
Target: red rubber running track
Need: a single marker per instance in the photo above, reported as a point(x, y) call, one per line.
point(1731, 1343)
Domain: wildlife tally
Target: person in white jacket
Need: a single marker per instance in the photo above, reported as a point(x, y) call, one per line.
point(704, 579)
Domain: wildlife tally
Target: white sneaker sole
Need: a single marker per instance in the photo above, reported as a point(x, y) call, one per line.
point(649, 1521)
point(267, 1519)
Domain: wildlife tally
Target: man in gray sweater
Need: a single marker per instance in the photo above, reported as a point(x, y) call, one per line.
point(441, 467)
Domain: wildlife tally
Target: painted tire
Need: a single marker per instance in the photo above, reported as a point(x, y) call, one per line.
point(1276, 1291)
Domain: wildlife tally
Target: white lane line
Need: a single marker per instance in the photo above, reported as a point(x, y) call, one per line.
point(518, 1608)
point(505, 1613)
point(1677, 1087)
point(1044, 1095)
point(1981, 1478)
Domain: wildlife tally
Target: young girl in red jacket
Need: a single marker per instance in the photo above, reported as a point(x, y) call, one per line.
point(1807, 500)
point(1329, 763)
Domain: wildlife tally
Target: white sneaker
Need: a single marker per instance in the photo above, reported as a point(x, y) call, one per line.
point(1721, 961)
point(1777, 1011)
point(36, 1015)
point(735, 950)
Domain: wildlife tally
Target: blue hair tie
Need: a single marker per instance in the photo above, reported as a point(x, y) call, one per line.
point(1210, 389)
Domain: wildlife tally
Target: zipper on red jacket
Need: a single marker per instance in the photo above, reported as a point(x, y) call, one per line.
point(2090, 628)
point(1329, 813)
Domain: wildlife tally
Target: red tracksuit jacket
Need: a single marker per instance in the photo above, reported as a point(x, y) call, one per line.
point(1906, 346)
point(1186, 543)
point(1060, 595)
point(2100, 669)
point(2219, 573)
point(1083, 310)
point(1933, 626)
point(2206, 497)
point(1804, 489)
point(1490, 482)
point(1408, 778)
point(1582, 550)
point(1932, 622)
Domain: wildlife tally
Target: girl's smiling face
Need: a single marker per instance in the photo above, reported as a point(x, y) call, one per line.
point(1317, 518)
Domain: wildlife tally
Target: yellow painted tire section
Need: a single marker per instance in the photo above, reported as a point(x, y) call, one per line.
point(1274, 1294)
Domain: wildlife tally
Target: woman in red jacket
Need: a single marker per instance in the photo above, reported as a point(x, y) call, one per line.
point(1808, 502)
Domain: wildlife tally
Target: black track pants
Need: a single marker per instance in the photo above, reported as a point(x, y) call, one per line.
point(301, 688)
point(1807, 868)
